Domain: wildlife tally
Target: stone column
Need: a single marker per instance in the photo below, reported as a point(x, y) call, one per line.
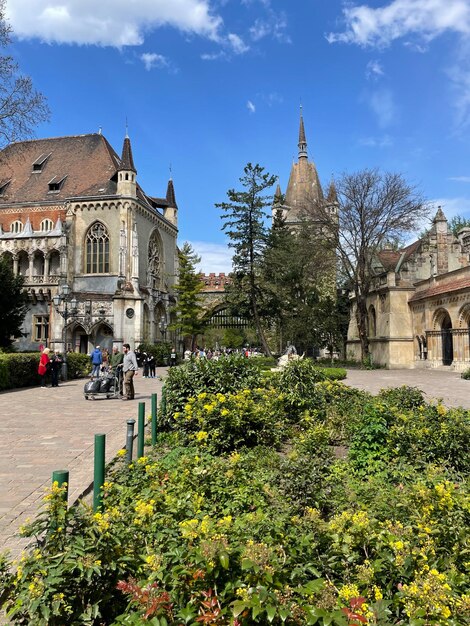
point(46, 267)
point(31, 266)
point(15, 264)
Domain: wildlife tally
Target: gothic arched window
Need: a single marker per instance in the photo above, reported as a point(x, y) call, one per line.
point(16, 227)
point(46, 225)
point(154, 262)
point(97, 249)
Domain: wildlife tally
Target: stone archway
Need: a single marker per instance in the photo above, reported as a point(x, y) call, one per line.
point(447, 340)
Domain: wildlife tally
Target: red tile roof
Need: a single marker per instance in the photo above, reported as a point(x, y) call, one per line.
point(442, 287)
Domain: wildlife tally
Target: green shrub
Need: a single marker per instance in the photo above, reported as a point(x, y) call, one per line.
point(226, 375)
point(161, 352)
point(78, 365)
point(465, 374)
point(4, 373)
point(226, 422)
point(296, 382)
point(403, 397)
point(432, 434)
point(334, 373)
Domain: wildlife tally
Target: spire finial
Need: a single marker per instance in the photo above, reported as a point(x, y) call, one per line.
point(302, 140)
point(171, 172)
point(127, 129)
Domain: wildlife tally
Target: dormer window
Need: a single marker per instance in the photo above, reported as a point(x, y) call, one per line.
point(40, 162)
point(56, 183)
point(16, 227)
point(3, 186)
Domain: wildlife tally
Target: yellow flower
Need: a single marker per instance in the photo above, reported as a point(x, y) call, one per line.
point(201, 436)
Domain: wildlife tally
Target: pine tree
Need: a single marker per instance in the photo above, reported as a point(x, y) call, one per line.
point(189, 310)
point(13, 304)
point(244, 222)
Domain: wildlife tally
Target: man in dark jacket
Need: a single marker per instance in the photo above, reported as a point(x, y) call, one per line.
point(56, 365)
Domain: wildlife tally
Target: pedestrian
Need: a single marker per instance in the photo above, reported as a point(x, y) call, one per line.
point(56, 365)
point(116, 365)
point(96, 360)
point(145, 364)
point(173, 357)
point(152, 363)
point(130, 369)
point(44, 365)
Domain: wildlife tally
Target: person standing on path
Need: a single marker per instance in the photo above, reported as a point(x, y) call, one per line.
point(130, 368)
point(173, 357)
point(116, 364)
point(56, 365)
point(96, 360)
point(44, 364)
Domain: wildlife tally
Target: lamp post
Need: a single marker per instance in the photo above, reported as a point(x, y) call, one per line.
point(61, 303)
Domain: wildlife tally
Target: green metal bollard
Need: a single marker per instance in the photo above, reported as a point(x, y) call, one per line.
point(163, 401)
point(141, 433)
point(129, 440)
point(98, 478)
point(154, 419)
point(61, 477)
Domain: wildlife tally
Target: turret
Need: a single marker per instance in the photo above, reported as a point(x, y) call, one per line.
point(126, 184)
point(302, 140)
point(170, 212)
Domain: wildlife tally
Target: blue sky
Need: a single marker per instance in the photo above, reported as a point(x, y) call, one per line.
point(209, 85)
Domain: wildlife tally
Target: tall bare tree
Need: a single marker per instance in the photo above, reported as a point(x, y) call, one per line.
point(21, 106)
point(374, 207)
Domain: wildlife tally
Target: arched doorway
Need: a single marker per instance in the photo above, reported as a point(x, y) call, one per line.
point(80, 340)
point(104, 337)
point(447, 343)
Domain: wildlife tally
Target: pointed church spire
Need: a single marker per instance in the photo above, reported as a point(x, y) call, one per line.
point(332, 197)
point(302, 140)
point(170, 195)
point(127, 162)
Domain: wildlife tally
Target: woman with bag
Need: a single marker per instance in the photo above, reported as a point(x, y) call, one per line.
point(44, 366)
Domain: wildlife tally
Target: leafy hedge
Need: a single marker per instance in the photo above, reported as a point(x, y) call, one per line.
point(21, 369)
point(212, 528)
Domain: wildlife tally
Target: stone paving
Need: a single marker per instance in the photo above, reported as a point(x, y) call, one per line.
point(42, 430)
point(436, 384)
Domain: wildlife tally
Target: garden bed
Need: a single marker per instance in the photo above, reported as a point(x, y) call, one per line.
point(243, 514)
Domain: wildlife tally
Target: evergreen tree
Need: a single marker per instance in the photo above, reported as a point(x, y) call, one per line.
point(244, 222)
point(13, 304)
point(189, 311)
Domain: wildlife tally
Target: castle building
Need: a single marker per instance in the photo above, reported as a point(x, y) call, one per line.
point(419, 307)
point(75, 223)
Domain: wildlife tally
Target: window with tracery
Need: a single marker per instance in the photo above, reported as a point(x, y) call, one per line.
point(46, 225)
point(154, 262)
point(97, 249)
point(16, 227)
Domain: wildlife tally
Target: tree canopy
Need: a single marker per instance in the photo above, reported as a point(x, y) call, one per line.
point(13, 304)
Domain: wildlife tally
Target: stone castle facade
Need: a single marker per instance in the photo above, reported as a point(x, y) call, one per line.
point(73, 213)
point(419, 308)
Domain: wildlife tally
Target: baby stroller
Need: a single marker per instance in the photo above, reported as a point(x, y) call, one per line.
point(107, 385)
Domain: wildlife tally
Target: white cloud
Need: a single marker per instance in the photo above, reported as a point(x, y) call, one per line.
point(273, 25)
point(374, 69)
point(428, 19)
point(250, 106)
point(237, 44)
point(152, 60)
point(383, 105)
point(109, 22)
point(460, 179)
point(376, 142)
point(215, 257)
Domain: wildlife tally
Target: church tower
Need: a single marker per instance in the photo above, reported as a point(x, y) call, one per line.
point(304, 189)
point(126, 183)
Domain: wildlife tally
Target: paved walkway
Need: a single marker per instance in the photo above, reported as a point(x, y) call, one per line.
point(42, 430)
point(436, 384)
